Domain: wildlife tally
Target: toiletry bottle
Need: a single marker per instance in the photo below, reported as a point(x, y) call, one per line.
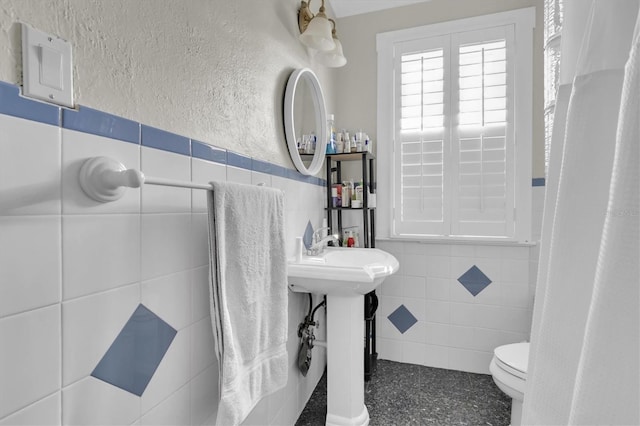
point(367, 144)
point(357, 196)
point(311, 145)
point(339, 143)
point(331, 135)
point(351, 241)
point(346, 195)
point(298, 251)
point(347, 141)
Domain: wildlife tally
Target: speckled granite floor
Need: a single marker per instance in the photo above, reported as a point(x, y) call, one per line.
point(407, 394)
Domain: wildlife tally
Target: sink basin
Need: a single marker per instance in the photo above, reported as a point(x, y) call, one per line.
point(341, 271)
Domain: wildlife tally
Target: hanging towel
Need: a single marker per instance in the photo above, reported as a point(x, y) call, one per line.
point(247, 272)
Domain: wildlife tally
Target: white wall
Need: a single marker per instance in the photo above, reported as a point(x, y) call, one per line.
point(73, 271)
point(454, 329)
point(356, 83)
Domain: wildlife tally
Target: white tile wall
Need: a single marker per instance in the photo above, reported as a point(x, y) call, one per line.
point(99, 252)
point(77, 147)
point(238, 175)
point(175, 410)
point(200, 239)
point(262, 179)
point(44, 412)
point(166, 244)
point(199, 293)
point(92, 323)
point(93, 402)
point(203, 394)
point(30, 357)
point(29, 187)
point(203, 172)
point(30, 262)
point(455, 329)
point(166, 297)
point(173, 373)
point(74, 270)
point(202, 346)
point(166, 165)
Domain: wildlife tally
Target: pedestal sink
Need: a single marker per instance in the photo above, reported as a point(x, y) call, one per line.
point(345, 275)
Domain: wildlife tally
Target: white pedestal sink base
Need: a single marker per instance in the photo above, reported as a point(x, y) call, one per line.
point(345, 361)
point(362, 419)
point(345, 275)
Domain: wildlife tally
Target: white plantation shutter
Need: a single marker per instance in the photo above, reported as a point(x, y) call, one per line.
point(453, 152)
point(482, 134)
point(421, 137)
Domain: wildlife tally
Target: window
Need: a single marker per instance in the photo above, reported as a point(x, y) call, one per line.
point(454, 102)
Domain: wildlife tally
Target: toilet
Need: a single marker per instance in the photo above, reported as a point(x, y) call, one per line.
point(509, 370)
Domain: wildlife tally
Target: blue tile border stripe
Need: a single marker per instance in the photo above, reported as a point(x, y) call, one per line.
point(92, 121)
point(207, 152)
point(88, 120)
point(238, 160)
point(11, 103)
point(166, 141)
point(261, 166)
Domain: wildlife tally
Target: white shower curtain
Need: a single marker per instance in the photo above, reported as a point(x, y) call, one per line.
point(585, 340)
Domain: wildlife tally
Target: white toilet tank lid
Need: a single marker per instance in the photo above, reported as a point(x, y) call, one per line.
point(515, 355)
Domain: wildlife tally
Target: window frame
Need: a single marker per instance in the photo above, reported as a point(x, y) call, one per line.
point(523, 22)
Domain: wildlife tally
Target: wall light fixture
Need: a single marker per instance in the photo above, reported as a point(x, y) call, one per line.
point(333, 58)
point(319, 33)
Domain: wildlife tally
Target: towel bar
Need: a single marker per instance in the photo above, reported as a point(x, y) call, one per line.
point(104, 179)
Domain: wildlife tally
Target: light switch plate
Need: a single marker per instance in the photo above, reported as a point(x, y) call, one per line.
point(46, 67)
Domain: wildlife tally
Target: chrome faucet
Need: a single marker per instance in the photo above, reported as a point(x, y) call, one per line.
point(318, 245)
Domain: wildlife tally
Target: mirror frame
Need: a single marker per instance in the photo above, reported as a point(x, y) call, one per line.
point(321, 120)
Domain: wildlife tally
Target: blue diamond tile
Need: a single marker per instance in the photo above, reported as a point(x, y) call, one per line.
point(307, 238)
point(474, 280)
point(402, 319)
point(136, 352)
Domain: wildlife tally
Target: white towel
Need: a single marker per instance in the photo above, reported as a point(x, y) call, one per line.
point(248, 278)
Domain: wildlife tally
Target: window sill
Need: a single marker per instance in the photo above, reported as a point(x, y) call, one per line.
point(460, 241)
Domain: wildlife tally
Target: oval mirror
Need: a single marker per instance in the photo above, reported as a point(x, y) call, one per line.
point(305, 121)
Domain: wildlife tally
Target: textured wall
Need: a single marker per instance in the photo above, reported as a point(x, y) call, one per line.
point(210, 70)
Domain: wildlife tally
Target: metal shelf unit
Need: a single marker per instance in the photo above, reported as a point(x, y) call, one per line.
point(334, 165)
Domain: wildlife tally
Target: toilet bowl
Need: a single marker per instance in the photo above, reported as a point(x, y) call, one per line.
point(509, 370)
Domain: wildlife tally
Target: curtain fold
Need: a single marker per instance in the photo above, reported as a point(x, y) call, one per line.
point(584, 356)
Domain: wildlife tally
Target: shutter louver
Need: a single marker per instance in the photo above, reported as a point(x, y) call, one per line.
point(481, 202)
point(421, 140)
